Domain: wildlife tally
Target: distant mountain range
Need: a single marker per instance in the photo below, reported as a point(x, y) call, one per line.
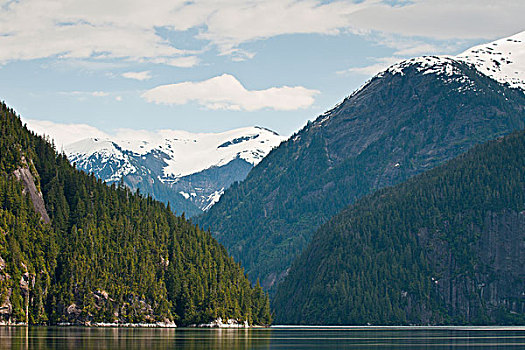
point(192, 171)
point(403, 205)
point(189, 170)
point(412, 117)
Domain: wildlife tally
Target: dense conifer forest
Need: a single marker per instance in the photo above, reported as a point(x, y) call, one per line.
point(445, 247)
point(86, 252)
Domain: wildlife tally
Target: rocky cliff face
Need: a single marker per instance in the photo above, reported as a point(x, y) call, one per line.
point(496, 279)
point(24, 287)
point(24, 291)
point(24, 175)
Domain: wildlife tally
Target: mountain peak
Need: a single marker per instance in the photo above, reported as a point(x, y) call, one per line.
point(503, 60)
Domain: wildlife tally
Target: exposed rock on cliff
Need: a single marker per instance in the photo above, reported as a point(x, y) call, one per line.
point(24, 175)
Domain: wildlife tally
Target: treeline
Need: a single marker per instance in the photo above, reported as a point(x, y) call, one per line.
point(108, 255)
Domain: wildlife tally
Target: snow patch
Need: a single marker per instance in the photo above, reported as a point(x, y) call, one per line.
point(503, 60)
point(213, 198)
point(439, 65)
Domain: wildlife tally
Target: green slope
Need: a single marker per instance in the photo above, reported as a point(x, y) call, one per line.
point(396, 126)
point(445, 247)
point(107, 255)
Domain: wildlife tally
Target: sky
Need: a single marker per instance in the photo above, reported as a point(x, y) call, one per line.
point(212, 66)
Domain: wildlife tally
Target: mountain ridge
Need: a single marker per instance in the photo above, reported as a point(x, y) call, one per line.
point(405, 120)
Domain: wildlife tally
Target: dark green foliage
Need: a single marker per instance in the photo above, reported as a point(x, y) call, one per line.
point(445, 247)
point(108, 255)
point(395, 127)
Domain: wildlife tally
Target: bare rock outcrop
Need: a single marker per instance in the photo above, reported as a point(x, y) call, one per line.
point(23, 174)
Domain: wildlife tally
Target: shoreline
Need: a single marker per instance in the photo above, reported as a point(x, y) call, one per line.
point(274, 327)
point(229, 324)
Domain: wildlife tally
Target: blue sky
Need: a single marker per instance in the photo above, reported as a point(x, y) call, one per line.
point(208, 66)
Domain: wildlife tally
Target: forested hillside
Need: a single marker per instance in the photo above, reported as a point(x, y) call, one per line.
point(406, 120)
point(445, 247)
point(75, 250)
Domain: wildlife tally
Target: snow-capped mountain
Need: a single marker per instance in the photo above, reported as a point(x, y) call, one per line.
point(502, 60)
point(409, 118)
point(190, 170)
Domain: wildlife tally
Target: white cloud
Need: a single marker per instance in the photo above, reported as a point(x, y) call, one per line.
point(82, 95)
point(231, 23)
point(444, 19)
point(98, 30)
point(62, 133)
point(237, 22)
point(145, 75)
point(226, 92)
point(181, 62)
point(99, 94)
point(77, 29)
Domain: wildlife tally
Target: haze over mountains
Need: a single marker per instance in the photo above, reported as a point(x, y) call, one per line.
point(409, 118)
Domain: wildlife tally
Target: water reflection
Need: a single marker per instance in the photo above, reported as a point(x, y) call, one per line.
point(273, 338)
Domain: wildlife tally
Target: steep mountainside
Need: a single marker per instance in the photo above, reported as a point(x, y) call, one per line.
point(74, 250)
point(410, 118)
point(188, 170)
point(445, 247)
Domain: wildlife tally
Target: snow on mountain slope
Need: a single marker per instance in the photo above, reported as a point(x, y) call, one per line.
point(502, 60)
point(185, 153)
point(94, 155)
point(191, 153)
point(175, 166)
point(439, 65)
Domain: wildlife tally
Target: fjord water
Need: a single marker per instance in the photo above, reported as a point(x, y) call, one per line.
point(264, 338)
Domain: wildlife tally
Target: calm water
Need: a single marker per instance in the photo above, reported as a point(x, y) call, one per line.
point(272, 338)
